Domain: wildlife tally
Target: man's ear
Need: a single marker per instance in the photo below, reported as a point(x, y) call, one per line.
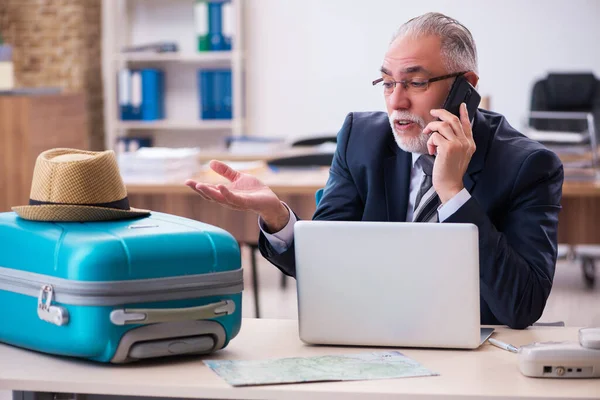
point(472, 78)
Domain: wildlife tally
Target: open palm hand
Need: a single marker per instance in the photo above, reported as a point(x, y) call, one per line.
point(243, 192)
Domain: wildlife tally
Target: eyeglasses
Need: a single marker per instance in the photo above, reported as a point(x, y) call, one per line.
point(413, 85)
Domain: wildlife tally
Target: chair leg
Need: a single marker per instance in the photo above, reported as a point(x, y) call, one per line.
point(284, 281)
point(255, 286)
point(588, 267)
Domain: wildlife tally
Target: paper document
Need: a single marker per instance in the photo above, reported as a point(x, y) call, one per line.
point(351, 367)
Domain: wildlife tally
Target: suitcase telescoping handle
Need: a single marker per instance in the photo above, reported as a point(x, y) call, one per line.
point(144, 316)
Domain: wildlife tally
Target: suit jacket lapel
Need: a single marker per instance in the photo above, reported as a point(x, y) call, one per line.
point(397, 182)
point(481, 135)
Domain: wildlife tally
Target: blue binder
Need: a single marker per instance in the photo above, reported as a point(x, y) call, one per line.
point(218, 92)
point(228, 23)
point(153, 107)
point(136, 95)
point(226, 100)
point(215, 27)
point(125, 94)
point(215, 88)
point(141, 94)
point(207, 109)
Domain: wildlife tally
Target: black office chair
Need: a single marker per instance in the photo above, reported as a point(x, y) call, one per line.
point(566, 92)
point(570, 103)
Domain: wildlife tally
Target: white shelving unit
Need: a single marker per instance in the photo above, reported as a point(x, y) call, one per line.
point(137, 22)
point(213, 58)
point(166, 124)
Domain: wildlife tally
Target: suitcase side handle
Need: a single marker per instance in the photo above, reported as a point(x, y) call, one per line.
point(144, 316)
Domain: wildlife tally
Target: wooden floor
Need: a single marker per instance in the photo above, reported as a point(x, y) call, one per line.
point(569, 300)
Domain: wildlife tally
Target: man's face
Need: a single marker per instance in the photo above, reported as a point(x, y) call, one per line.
point(408, 109)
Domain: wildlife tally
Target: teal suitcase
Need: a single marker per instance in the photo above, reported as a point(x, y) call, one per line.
point(119, 291)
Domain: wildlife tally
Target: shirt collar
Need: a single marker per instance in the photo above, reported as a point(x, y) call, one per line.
point(415, 158)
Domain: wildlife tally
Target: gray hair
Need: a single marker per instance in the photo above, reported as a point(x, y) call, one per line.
point(458, 47)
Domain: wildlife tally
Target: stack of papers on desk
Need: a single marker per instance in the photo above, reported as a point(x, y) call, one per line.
point(241, 166)
point(255, 145)
point(153, 165)
point(352, 367)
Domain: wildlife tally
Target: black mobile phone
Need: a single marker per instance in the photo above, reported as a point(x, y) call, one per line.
point(462, 92)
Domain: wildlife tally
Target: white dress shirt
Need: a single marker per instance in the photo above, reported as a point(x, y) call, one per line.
point(282, 240)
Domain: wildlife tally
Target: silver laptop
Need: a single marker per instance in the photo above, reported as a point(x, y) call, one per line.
point(388, 284)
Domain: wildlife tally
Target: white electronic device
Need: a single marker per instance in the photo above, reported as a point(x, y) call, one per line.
point(384, 284)
point(563, 359)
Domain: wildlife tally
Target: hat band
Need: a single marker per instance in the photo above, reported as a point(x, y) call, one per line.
point(122, 204)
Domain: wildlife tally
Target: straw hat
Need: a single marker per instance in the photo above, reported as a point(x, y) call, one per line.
point(77, 185)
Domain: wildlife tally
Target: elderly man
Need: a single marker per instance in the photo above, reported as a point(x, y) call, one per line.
point(421, 163)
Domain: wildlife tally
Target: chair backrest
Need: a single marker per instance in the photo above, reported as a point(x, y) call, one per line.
point(315, 141)
point(319, 158)
point(566, 92)
point(306, 160)
point(318, 196)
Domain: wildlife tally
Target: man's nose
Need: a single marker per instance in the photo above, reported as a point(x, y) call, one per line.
point(399, 98)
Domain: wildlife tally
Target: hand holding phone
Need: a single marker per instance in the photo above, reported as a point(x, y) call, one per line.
point(451, 138)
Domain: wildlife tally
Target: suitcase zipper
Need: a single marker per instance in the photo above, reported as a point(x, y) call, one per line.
point(111, 293)
point(47, 312)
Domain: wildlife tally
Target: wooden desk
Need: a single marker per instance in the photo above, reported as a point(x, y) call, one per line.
point(574, 189)
point(284, 182)
point(577, 221)
point(296, 188)
point(485, 373)
point(308, 181)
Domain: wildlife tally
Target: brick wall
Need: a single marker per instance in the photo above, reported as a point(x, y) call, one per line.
point(58, 43)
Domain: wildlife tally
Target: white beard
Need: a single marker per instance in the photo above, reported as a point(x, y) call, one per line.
point(416, 144)
point(412, 144)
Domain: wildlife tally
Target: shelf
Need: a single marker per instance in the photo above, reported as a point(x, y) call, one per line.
point(205, 125)
point(209, 57)
point(124, 26)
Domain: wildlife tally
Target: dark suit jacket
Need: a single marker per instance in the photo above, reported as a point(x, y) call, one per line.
point(515, 185)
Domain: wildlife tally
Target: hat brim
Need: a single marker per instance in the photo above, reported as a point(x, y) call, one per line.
point(76, 213)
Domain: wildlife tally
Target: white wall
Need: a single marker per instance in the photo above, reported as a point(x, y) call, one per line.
point(309, 62)
point(5, 395)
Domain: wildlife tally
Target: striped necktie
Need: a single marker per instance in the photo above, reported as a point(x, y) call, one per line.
point(427, 201)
